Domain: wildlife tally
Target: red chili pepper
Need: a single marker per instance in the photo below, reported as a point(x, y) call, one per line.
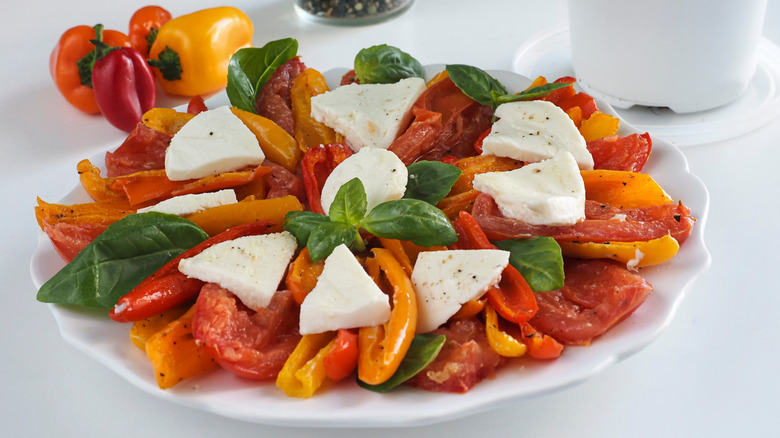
point(125, 87)
point(317, 164)
point(168, 288)
point(513, 298)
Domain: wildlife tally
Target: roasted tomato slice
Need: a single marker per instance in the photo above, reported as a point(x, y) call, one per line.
point(628, 153)
point(250, 344)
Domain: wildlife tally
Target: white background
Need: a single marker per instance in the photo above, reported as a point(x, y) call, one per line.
point(712, 373)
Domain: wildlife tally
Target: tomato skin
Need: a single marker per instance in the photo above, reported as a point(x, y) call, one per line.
point(196, 105)
point(253, 345)
point(597, 295)
point(274, 100)
point(629, 153)
point(143, 149)
point(72, 46)
point(147, 20)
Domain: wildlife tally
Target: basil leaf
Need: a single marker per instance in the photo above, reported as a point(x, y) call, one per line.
point(326, 237)
point(539, 259)
point(410, 219)
point(251, 67)
point(430, 181)
point(476, 83)
point(530, 94)
point(118, 259)
point(385, 64)
point(301, 223)
point(423, 350)
point(349, 204)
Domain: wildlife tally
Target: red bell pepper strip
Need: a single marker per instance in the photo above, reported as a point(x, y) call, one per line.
point(125, 87)
point(167, 287)
point(317, 163)
point(196, 105)
point(540, 345)
point(512, 298)
point(342, 358)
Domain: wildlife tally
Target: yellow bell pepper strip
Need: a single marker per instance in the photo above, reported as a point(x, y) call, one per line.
point(175, 354)
point(599, 125)
point(277, 145)
point(308, 132)
point(218, 219)
point(575, 114)
point(97, 187)
point(165, 120)
point(304, 371)
point(191, 52)
point(650, 253)
point(500, 341)
point(144, 329)
point(302, 275)
point(438, 77)
point(383, 347)
point(623, 189)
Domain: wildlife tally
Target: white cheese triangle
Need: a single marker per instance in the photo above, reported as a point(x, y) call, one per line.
point(251, 267)
point(444, 280)
point(213, 141)
point(345, 297)
point(193, 203)
point(533, 131)
point(368, 115)
point(383, 174)
point(550, 192)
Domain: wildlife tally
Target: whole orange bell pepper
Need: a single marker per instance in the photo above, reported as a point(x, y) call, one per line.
point(383, 347)
point(71, 63)
point(144, 25)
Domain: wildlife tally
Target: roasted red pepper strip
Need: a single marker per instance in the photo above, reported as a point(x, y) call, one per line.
point(513, 299)
point(125, 87)
point(317, 164)
point(342, 358)
point(168, 288)
point(197, 105)
point(540, 346)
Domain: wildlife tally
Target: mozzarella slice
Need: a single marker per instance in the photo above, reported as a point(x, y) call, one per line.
point(444, 280)
point(368, 115)
point(382, 173)
point(214, 141)
point(193, 203)
point(345, 297)
point(550, 192)
point(251, 267)
point(534, 131)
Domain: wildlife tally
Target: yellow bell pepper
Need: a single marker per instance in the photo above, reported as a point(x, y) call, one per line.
point(383, 347)
point(218, 219)
point(144, 329)
point(623, 189)
point(639, 254)
point(277, 145)
point(500, 341)
point(165, 120)
point(304, 371)
point(599, 125)
point(310, 133)
point(203, 41)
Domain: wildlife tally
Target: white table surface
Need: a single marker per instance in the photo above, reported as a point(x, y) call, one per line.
point(713, 372)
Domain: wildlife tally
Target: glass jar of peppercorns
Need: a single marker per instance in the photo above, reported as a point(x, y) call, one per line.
point(350, 11)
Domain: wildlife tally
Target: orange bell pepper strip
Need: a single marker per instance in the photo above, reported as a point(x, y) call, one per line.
point(623, 189)
point(302, 275)
point(383, 347)
point(142, 330)
point(341, 360)
point(396, 247)
point(500, 341)
point(540, 346)
point(90, 212)
point(512, 298)
point(477, 164)
point(97, 187)
point(452, 205)
point(634, 254)
point(304, 370)
point(175, 354)
point(309, 132)
point(277, 145)
point(154, 185)
point(218, 219)
point(470, 309)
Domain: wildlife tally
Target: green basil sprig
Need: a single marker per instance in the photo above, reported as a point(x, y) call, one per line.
point(118, 259)
point(487, 90)
point(251, 67)
point(539, 259)
point(423, 350)
point(430, 181)
point(385, 64)
point(404, 219)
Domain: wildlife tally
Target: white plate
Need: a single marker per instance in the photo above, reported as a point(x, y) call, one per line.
point(548, 53)
point(347, 405)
